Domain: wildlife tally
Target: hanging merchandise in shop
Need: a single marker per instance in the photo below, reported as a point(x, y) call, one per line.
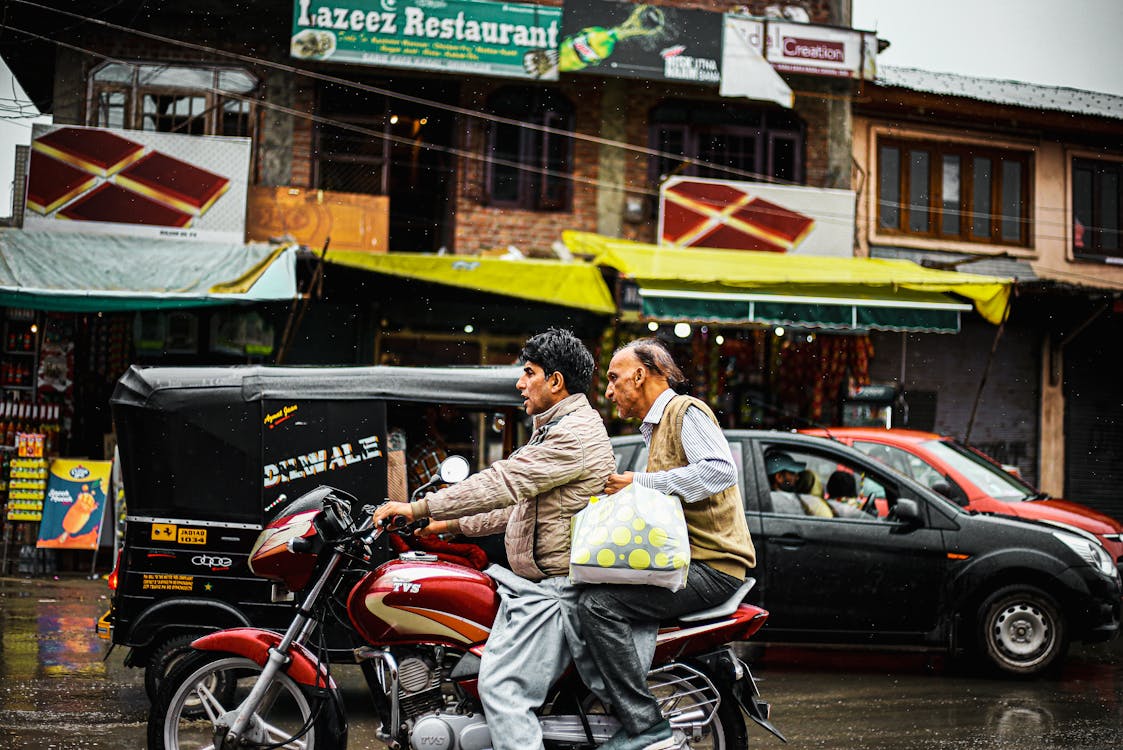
point(457, 36)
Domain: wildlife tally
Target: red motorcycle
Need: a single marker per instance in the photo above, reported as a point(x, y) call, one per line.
point(420, 625)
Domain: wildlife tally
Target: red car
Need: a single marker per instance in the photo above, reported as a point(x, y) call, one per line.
point(973, 479)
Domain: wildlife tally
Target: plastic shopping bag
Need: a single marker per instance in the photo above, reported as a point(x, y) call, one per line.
point(637, 536)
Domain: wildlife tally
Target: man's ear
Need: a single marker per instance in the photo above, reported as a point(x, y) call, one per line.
point(557, 381)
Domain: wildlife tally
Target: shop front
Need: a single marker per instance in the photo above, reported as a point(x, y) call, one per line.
point(77, 311)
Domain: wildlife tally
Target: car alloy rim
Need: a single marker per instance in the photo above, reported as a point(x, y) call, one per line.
point(1022, 631)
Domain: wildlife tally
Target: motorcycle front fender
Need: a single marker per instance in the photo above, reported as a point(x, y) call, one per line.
point(304, 668)
point(254, 644)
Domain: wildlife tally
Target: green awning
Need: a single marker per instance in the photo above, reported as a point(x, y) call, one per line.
point(841, 293)
point(75, 272)
point(569, 284)
point(897, 311)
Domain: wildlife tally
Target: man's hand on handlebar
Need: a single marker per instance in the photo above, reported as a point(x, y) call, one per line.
point(385, 514)
point(435, 528)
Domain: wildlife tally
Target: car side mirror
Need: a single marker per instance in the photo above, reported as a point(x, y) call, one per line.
point(907, 511)
point(945, 489)
point(454, 469)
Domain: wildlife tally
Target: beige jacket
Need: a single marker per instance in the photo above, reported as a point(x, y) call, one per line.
point(535, 492)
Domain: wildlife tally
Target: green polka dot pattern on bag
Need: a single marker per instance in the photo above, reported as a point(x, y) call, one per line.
point(635, 536)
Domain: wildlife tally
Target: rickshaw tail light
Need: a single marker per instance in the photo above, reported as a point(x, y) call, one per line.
point(112, 580)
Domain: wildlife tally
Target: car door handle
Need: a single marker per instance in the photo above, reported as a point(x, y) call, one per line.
point(790, 541)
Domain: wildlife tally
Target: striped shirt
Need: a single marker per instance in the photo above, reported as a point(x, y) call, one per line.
point(710, 469)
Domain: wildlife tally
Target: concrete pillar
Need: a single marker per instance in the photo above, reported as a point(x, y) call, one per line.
point(841, 134)
point(275, 142)
point(611, 159)
point(1051, 450)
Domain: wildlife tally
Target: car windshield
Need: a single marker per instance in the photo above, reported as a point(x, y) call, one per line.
point(990, 479)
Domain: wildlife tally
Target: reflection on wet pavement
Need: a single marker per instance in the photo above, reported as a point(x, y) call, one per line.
point(58, 692)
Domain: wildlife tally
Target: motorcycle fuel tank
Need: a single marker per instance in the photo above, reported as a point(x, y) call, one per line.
point(418, 600)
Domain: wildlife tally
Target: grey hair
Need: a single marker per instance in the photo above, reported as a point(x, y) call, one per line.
point(654, 355)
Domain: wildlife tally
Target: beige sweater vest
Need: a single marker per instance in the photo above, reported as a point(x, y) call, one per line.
point(719, 535)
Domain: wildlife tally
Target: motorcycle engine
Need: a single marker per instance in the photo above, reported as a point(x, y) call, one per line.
point(450, 732)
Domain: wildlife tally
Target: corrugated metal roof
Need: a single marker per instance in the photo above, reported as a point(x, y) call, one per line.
point(1013, 93)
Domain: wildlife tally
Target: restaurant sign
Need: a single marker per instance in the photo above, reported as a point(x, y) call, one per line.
point(457, 36)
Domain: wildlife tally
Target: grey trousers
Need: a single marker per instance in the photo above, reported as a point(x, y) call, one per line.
point(609, 612)
point(531, 644)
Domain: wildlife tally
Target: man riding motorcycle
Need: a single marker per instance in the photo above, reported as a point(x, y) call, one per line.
point(532, 495)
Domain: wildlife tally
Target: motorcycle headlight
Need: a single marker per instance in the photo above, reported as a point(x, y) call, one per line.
point(1091, 552)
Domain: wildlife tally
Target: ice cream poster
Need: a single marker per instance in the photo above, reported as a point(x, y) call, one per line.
point(75, 502)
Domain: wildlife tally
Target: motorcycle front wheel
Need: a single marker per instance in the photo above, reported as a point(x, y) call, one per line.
point(287, 717)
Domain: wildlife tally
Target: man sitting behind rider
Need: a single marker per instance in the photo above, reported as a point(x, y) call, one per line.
point(688, 457)
point(532, 495)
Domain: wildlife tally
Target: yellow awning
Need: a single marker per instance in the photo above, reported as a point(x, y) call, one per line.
point(569, 284)
point(717, 271)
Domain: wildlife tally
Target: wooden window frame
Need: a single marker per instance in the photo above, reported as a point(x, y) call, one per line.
point(534, 150)
point(966, 152)
point(135, 91)
point(1094, 251)
point(693, 133)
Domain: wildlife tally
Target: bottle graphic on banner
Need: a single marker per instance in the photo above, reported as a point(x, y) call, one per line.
point(593, 45)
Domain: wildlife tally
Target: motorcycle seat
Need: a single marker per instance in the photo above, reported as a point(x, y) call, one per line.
point(726, 608)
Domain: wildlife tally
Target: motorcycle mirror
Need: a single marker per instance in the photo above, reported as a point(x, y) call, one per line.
point(454, 469)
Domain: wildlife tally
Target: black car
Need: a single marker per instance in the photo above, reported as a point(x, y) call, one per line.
point(856, 554)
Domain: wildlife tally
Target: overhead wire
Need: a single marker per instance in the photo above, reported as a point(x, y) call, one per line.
point(453, 151)
point(389, 93)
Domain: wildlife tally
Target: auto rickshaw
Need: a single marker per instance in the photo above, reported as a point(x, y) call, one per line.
point(209, 453)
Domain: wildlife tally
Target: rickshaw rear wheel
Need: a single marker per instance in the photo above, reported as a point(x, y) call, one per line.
point(165, 658)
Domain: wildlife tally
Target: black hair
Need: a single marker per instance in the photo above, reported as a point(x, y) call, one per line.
point(558, 350)
point(656, 357)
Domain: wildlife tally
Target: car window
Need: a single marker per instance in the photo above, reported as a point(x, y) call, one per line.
point(624, 454)
point(829, 488)
point(990, 479)
point(902, 461)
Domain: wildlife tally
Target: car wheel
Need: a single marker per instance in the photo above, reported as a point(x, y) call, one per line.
point(1022, 631)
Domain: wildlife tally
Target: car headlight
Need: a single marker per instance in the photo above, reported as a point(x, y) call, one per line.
point(1091, 552)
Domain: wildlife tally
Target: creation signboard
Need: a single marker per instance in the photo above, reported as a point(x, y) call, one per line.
point(696, 212)
point(811, 49)
point(457, 36)
point(137, 182)
point(611, 38)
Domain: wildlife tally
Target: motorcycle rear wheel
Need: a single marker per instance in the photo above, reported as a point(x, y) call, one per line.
point(289, 717)
point(725, 732)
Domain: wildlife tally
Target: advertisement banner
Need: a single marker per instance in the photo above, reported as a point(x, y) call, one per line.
point(75, 502)
point(517, 40)
point(611, 38)
point(732, 215)
point(137, 182)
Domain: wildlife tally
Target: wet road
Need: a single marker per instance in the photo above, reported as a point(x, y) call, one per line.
point(57, 692)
